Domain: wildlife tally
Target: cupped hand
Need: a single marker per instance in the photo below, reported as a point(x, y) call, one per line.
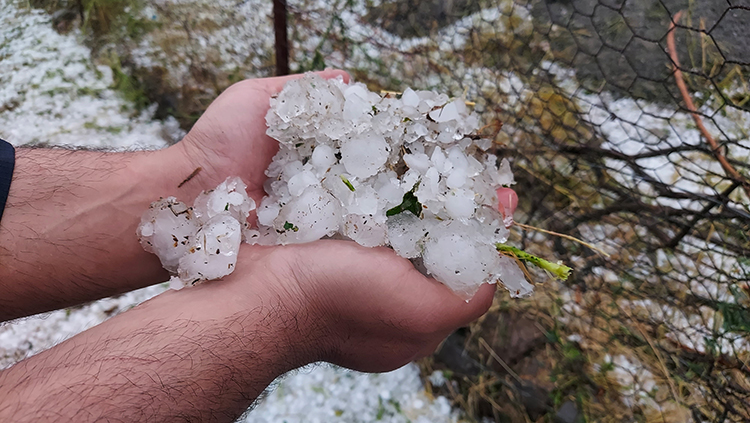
point(363, 308)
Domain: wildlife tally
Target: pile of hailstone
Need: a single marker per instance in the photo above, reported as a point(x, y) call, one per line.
point(403, 171)
point(200, 242)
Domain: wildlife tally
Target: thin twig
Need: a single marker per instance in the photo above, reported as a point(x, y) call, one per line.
point(656, 353)
point(191, 176)
point(715, 147)
point(500, 360)
point(568, 237)
point(456, 396)
point(521, 265)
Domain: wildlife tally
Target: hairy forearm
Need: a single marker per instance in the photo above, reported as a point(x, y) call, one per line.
point(202, 354)
point(68, 232)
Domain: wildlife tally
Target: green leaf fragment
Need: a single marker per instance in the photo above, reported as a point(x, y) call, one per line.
point(318, 62)
point(347, 183)
point(409, 203)
point(290, 227)
point(396, 405)
point(559, 270)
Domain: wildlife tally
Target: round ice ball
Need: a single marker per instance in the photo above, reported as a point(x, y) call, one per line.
point(167, 228)
point(406, 233)
point(323, 157)
point(364, 155)
point(309, 217)
point(454, 257)
point(213, 252)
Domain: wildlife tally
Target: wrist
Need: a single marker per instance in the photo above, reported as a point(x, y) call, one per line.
point(265, 282)
point(167, 172)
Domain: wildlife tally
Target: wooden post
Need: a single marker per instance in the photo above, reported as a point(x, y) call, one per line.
point(282, 39)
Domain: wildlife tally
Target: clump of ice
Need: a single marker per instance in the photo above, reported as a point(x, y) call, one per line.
point(200, 242)
point(404, 171)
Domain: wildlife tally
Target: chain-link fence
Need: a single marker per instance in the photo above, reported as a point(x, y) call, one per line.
point(585, 98)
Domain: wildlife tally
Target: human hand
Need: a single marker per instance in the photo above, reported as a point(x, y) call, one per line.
point(367, 309)
point(230, 138)
point(363, 308)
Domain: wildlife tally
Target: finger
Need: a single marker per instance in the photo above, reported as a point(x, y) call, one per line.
point(454, 312)
point(479, 303)
point(335, 73)
point(508, 201)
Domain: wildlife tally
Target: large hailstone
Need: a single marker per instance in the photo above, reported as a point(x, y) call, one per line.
point(312, 215)
point(166, 230)
point(454, 256)
point(364, 155)
point(201, 242)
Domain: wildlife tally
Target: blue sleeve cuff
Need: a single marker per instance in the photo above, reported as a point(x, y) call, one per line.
point(7, 163)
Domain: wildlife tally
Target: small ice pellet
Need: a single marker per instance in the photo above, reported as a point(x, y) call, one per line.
point(406, 234)
point(323, 157)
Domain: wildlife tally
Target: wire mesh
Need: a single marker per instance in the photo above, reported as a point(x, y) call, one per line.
point(583, 97)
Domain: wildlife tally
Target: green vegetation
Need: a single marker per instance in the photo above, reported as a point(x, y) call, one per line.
point(559, 270)
point(410, 203)
point(347, 183)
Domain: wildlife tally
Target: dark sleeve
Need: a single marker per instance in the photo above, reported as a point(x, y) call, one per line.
point(7, 163)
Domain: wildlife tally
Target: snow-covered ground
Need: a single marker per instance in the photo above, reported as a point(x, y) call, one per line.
point(234, 36)
point(51, 94)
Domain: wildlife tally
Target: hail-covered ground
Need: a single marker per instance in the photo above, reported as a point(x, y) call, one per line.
point(51, 94)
